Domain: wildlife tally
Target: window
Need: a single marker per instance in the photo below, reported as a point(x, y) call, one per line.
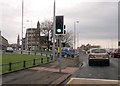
point(117, 50)
point(99, 51)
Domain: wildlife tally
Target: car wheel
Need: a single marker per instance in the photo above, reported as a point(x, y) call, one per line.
point(90, 63)
point(68, 55)
point(72, 56)
point(114, 56)
point(108, 63)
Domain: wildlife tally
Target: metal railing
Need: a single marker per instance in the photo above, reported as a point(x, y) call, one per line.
point(20, 65)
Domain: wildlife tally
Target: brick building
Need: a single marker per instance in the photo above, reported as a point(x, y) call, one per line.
point(3, 42)
point(33, 40)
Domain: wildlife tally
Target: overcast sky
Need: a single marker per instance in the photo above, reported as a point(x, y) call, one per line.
point(98, 19)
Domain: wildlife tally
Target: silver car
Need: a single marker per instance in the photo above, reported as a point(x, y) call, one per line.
point(98, 56)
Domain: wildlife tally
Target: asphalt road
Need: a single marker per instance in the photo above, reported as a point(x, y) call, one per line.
point(98, 72)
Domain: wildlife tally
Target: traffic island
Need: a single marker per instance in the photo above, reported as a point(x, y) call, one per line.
point(92, 82)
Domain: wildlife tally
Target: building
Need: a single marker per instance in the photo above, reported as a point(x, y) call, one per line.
point(18, 42)
point(118, 44)
point(88, 46)
point(33, 40)
point(3, 42)
point(16, 46)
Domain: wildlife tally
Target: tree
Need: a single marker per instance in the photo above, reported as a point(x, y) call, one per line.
point(46, 27)
point(68, 39)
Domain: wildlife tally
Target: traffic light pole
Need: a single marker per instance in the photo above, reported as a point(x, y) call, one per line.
point(59, 53)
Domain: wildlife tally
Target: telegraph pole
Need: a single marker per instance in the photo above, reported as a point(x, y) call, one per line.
point(22, 27)
point(54, 26)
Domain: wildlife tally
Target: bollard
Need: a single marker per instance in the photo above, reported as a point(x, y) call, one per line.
point(41, 60)
point(34, 61)
point(24, 64)
point(46, 55)
point(10, 66)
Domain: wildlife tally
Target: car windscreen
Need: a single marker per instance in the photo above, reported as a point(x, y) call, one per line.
point(98, 51)
point(9, 48)
point(64, 49)
point(117, 50)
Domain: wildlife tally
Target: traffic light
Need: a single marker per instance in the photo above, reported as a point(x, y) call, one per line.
point(59, 30)
point(64, 29)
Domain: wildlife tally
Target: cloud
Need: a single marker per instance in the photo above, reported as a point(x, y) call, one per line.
point(97, 20)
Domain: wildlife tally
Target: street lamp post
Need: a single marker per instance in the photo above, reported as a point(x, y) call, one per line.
point(78, 39)
point(22, 27)
point(31, 33)
point(75, 33)
point(54, 26)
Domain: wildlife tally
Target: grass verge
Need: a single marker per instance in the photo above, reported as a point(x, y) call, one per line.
point(17, 61)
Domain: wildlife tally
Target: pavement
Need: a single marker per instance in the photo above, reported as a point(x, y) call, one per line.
point(45, 74)
point(92, 82)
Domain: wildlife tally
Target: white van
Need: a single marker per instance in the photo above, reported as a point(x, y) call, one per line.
point(9, 49)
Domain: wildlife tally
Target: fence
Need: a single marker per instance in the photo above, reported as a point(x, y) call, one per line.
point(19, 65)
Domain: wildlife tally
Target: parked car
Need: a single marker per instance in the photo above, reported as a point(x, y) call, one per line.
point(116, 53)
point(9, 49)
point(64, 52)
point(110, 51)
point(68, 52)
point(98, 56)
point(71, 53)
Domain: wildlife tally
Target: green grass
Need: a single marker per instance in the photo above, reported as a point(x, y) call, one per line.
point(11, 57)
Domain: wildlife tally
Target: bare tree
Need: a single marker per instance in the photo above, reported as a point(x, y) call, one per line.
point(46, 29)
point(68, 38)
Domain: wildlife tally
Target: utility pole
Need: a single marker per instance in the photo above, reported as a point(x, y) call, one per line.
point(75, 33)
point(22, 27)
point(54, 26)
point(75, 36)
point(31, 35)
